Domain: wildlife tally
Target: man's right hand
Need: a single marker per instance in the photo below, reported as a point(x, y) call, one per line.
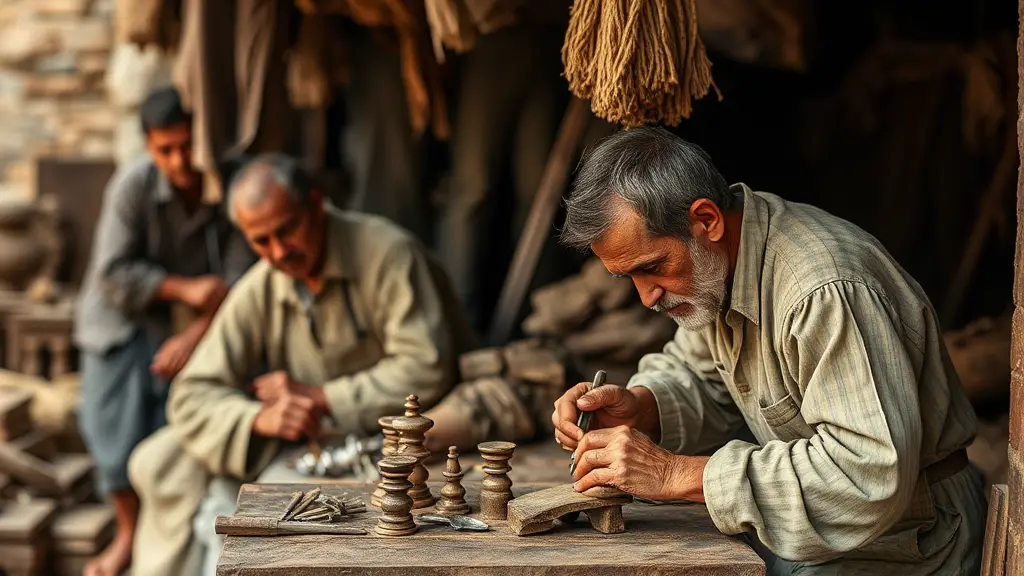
point(612, 406)
point(290, 417)
point(203, 293)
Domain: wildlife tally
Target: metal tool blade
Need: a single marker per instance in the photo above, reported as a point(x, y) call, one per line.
point(457, 522)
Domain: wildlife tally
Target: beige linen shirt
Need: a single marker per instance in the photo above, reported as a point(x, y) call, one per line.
point(831, 355)
point(385, 325)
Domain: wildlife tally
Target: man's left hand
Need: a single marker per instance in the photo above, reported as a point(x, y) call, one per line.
point(272, 386)
point(628, 460)
point(173, 355)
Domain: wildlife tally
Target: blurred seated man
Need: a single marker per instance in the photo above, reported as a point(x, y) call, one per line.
point(344, 317)
point(156, 246)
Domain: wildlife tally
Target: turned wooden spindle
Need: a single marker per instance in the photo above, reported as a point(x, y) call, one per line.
point(396, 505)
point(496, 487)
point(453, 495)
point(388, 449)
point(412, 428)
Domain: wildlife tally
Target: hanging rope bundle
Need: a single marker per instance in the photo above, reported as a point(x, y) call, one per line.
point(638, 61)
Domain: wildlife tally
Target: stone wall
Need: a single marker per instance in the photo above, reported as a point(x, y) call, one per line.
point(54, 57)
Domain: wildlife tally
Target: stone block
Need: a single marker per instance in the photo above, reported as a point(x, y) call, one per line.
point(52, 85)
point(88, 114)
point(22, 43)
point(21, 173)
point(92, 62)
point(94, 146)
point(104, 8)
point(86, 35)
point(61, 63)
point(481, 364)
point(61, 8)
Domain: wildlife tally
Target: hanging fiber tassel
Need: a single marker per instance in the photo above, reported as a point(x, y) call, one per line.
point(637, 61)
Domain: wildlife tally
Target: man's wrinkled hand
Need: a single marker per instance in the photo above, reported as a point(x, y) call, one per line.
point(172, 356)
point(269, 387)
point(612, 406)
point(290, 417)
point(628, 460)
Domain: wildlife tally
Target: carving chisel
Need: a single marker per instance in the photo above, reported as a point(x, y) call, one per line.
point(583, 421)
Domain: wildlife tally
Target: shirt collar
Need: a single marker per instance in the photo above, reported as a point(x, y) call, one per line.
point(746, 281)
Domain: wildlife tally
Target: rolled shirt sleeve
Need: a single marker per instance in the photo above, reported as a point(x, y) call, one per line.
point(127, 278)
point(816, 498)
point(416, 343)
point(695, 410)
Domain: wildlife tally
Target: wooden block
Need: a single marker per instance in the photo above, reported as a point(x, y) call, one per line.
point(993, 555)
point(67, 477)
point(607, 520)
point(15, 416)
point(29, 558)
point(560, 308)
point(70, 564)
point(27, 469)
point(74, 479)
point(25, 521)
point(85, 529)
point(537, 511)
point(481, 364)
point(36, 443)
point(531, 361)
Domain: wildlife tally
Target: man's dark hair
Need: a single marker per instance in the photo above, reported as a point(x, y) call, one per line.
point(653, 172)
point(163, 109)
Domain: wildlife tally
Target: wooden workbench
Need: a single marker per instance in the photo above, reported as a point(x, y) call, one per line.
point(664, 540)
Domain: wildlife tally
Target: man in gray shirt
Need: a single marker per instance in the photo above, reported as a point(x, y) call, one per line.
point(157, 248)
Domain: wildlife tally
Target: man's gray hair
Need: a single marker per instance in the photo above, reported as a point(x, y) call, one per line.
point(256, 178)
point(650, 170)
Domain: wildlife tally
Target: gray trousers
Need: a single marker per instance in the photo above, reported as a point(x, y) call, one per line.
point(121, 403)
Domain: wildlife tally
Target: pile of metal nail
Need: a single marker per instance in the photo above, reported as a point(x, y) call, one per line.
point(353, 457)
point(313, 506)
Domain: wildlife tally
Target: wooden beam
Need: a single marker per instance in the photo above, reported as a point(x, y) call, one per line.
point(538, 223)
point(1015, 540)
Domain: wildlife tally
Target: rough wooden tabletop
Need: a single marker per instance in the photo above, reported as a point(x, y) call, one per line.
point(659, 539)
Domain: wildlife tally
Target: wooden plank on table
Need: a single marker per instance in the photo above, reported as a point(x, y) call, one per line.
point(993, 555)
point(665, 539)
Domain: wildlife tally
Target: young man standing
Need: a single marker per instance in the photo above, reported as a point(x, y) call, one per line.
point(157, 249)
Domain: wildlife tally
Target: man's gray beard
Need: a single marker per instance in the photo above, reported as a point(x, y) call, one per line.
point(710, 271)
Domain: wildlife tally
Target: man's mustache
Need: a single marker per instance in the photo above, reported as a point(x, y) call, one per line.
point(289, 258)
